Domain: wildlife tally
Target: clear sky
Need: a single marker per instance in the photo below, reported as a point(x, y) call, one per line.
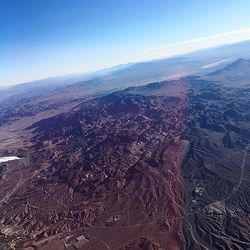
point(41, 38)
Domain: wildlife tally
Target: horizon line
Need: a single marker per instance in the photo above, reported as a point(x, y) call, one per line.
point(188, 42)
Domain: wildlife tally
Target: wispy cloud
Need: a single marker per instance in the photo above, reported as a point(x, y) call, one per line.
point(229, 37)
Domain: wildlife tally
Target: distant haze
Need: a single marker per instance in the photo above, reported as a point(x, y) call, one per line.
point(46, 38)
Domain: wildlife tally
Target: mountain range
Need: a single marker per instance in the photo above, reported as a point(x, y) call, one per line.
point(150, 155)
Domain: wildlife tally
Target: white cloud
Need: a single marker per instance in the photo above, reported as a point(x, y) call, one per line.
point(194, 44)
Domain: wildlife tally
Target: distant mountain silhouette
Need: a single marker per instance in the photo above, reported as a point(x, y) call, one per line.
point(234, 74)
point(240, 64)
point(133, 74)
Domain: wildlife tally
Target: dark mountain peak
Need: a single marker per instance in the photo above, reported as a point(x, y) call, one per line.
point(236, 65)
point(238, 62)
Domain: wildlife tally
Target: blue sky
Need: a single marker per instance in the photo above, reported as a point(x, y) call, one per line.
point(41, 38)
